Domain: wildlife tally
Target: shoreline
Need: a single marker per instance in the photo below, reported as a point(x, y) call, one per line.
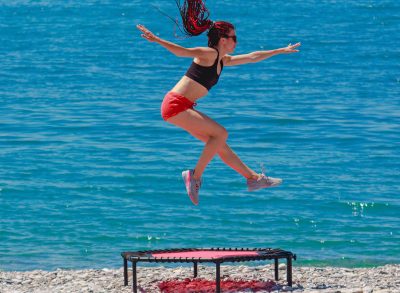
point(381, 279)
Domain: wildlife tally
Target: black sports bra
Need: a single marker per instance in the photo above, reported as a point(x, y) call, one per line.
point(205, 75)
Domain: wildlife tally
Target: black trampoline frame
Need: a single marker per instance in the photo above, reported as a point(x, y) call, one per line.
point(264, 254)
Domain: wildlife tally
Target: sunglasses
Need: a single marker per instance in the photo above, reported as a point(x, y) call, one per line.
point(234, 38)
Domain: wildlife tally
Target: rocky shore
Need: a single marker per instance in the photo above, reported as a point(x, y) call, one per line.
point(383, 279)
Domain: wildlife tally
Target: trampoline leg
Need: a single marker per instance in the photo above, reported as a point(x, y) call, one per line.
point(218, 278)
point(276, 269)
point(195, 270)
point(134, 277)
point(125, 272)
point(289, 271)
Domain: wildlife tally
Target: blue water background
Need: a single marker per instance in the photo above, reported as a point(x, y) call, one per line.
point(89, 169)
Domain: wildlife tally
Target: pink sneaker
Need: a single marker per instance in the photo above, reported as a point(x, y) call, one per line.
point(262, 182)
point(192, 186)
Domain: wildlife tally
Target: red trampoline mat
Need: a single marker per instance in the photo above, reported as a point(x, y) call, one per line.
point(205, 254)
point(207, 286)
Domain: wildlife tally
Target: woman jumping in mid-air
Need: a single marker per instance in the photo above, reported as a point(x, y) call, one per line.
point(178, 104)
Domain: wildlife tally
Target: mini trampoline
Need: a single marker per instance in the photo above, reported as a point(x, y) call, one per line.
point(206, 255)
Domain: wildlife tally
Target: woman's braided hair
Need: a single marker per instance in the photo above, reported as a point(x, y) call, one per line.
point(195, 21)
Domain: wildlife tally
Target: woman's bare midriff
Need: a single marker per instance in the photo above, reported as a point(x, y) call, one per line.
point(190, 89)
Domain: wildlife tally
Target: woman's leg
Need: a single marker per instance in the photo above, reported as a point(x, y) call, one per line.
point(195, 121)
point(229, 157)
point(200, 130)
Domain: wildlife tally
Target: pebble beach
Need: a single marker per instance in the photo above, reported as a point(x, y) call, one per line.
point(382, 279)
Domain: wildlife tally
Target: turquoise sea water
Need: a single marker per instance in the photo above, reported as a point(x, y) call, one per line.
point(89, 168)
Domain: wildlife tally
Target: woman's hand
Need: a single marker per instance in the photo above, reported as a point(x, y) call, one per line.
point(146, 34)
point(290, 49)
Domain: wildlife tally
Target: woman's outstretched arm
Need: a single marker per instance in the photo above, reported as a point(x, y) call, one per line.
point(199, 52)
point(258, 56)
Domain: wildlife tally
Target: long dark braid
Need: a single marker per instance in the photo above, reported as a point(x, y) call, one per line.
point(195, 16)
point(195, 21)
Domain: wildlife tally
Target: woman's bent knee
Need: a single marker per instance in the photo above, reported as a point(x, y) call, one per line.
point(221, 134)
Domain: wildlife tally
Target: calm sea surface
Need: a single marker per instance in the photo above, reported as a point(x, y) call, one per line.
point(89, 169)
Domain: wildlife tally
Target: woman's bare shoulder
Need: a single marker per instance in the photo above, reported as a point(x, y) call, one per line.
point(205, 53)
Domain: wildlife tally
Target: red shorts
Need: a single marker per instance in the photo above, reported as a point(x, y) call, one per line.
point(173, 104)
